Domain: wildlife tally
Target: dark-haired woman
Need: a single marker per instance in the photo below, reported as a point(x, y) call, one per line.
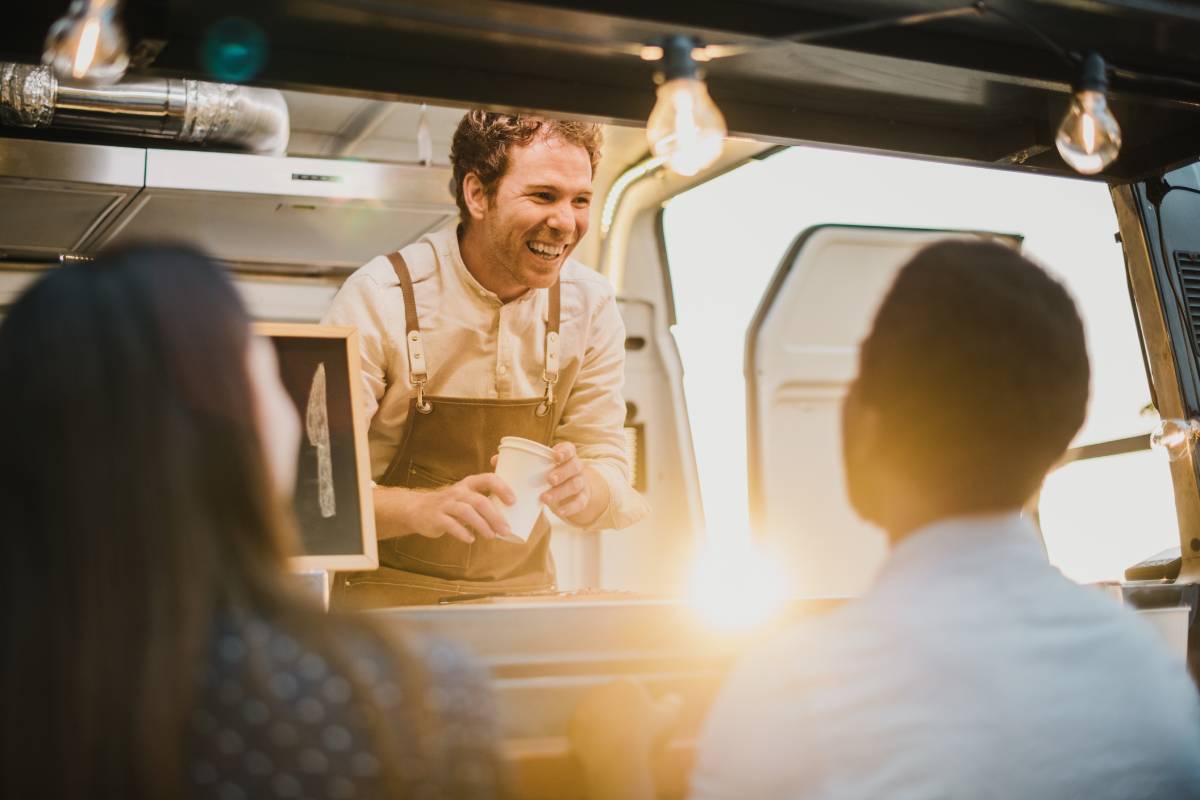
point(151, 645)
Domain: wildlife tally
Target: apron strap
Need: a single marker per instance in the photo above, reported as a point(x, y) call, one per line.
point(550, 369)
point(417, 370)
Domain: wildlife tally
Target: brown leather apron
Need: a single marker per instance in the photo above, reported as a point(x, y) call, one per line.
point(445, 440)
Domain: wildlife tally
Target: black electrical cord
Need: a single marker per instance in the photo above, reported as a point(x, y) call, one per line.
point(1072, 58)
point(804, 37)
point(1166, 82)
point(452, 20)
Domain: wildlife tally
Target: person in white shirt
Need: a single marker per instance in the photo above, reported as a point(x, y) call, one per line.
point(971, 668)
point(487, 331)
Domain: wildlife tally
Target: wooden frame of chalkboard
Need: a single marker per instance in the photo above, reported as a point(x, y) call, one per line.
point(322, 372)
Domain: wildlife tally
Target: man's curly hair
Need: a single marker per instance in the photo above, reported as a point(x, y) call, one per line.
point(483, 140)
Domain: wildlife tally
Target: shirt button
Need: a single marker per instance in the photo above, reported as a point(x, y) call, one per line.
point(500, 370)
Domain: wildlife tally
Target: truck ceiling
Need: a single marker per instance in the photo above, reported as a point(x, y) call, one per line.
point(984, 85)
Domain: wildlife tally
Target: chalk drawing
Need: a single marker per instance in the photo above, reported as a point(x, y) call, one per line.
point(317, 424)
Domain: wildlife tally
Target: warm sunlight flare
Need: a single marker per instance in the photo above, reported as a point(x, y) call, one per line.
point(1098, 517)
point(736, 588)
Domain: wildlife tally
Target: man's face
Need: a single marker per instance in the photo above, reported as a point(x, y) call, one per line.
point(540, 210)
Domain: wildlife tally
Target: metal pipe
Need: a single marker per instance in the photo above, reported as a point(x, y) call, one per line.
point(183, 110)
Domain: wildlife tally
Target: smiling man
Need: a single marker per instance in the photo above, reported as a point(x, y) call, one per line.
point(486, 331)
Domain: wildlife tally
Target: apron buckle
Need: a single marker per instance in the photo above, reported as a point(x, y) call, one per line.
point(548, 402)
point(423, 405)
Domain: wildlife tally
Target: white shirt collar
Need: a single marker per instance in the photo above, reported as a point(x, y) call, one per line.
point(942, 543)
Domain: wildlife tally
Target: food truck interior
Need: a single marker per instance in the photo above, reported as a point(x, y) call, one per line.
point(335, 149)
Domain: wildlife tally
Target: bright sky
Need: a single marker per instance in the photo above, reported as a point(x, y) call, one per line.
point(726, 238)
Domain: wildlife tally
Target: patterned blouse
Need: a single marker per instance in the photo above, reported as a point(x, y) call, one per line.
point(278, 718)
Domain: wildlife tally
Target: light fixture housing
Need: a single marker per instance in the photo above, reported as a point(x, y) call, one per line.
point(685, 129)
point(88, 44)
point(1089, 137)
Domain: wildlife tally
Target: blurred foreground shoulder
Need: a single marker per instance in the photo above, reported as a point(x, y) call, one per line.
point(756, 740)
point(342, 710)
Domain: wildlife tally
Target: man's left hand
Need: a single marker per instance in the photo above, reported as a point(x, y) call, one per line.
point(570, 491)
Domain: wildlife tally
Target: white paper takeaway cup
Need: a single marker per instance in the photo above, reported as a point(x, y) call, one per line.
point(523, 465)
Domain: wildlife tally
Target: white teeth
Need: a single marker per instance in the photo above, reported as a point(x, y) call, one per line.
point(547, 251)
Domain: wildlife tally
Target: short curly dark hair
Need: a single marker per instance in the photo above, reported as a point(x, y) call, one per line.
point(483, 139)
point(978, 366)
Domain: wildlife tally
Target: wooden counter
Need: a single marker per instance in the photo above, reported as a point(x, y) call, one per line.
point(545, 652)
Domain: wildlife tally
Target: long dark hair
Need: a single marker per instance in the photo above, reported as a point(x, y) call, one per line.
point(136, 507)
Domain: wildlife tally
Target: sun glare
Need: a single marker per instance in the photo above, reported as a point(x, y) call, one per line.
point(736, 588)
point(1098, 517)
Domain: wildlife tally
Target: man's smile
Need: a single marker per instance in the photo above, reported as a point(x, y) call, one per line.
point(545, 251)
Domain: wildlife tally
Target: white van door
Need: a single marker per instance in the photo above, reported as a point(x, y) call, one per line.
point(801, 354)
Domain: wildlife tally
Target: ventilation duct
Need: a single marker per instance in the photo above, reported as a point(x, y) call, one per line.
point(191, 111)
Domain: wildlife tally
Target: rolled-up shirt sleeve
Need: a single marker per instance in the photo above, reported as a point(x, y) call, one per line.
point(594, 417)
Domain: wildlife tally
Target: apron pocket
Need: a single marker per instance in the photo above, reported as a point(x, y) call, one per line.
point(420, 477)
point(444, 557)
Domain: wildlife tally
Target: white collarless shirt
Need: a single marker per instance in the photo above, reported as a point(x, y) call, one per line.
point(477, 346)
point(970, 669)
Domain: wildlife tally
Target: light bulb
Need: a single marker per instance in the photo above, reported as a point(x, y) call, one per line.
point(685, 128)
point(1089, 137)
point(1175, 436)
point(88, 44)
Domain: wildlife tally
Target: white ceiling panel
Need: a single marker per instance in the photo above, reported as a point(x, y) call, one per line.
point(326, 125)
point(320, 112)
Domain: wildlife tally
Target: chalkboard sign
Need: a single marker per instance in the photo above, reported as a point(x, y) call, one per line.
point(319, 365)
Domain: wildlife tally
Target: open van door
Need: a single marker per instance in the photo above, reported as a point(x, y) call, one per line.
point(1162, 249)
point(801, 354)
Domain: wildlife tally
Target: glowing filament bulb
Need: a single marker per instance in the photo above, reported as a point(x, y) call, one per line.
point(88, 43)
point(1175, 436)
point(1089, 137)
point(1088, 123)
point(685, 128)
point(86, 52)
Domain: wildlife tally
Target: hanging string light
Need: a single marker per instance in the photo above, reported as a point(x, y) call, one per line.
point(88, 43)
point(1089, 138)
point(685, 129)
point(1175, 437)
